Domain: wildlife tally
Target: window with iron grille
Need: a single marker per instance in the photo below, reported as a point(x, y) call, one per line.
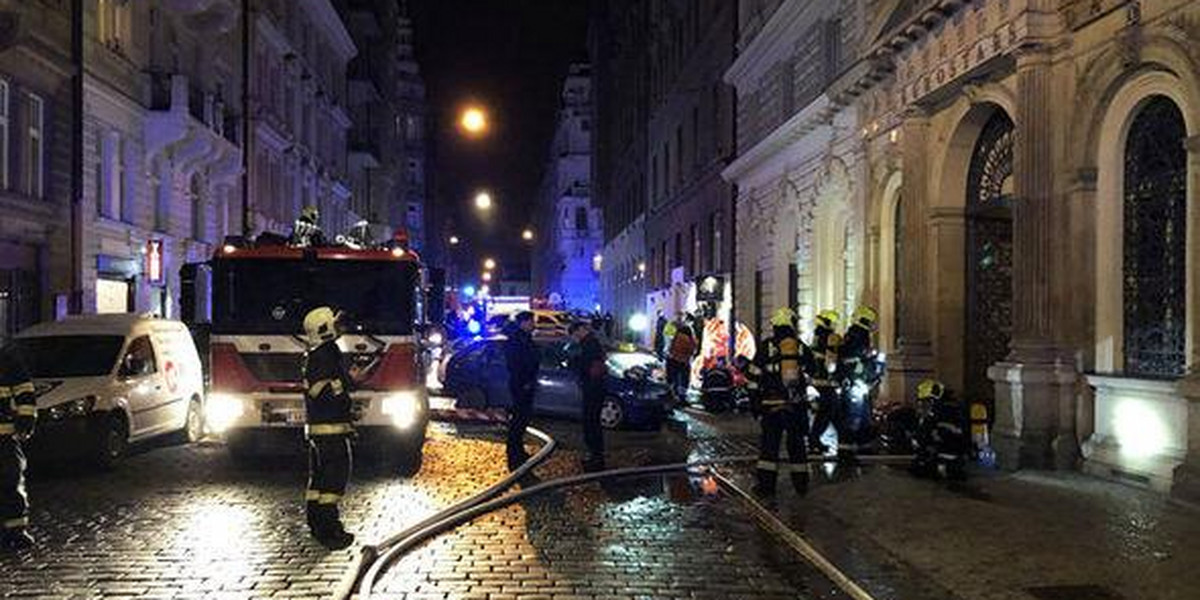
point(1155, 241)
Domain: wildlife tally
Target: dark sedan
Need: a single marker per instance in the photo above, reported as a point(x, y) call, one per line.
point(636, 395)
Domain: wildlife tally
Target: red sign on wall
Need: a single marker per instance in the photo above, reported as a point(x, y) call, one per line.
point(154, 261)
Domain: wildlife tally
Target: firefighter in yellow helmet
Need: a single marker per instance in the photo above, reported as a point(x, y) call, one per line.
point(777, 385)
point(306, 232)
point(327, 383)
point(941, 441)
point(18, 412)
point(859, 369)
point(820, 368)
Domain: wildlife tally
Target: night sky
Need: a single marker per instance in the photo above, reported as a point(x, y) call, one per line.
point(509, 56)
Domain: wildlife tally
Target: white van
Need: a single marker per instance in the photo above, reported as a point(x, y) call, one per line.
point(104, 381)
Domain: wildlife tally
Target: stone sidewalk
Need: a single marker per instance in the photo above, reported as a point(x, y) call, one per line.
point(999, 536)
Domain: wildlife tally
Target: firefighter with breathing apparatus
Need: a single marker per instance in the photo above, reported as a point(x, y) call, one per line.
point(820, 365)
point(941, 442)
point(859, 369)
point(777, 386)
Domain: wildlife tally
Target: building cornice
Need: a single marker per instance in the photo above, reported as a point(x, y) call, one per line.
point(819, 112)
point(322, 13)
point(773, 42)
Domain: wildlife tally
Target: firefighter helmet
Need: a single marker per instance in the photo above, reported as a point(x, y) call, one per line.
point(930, 389)
point(828, 319)
point(865, 317)
point(784, 317)
point(320, 325)
point(310, 214)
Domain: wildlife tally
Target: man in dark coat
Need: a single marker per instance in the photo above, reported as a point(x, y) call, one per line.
point(588, 364)
point(523, 359)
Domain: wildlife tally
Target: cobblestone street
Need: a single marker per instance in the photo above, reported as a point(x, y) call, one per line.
point(186, 521)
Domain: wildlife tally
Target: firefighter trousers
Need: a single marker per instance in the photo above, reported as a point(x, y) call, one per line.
point(829, 412)
point(14, 504)
point(329, 464)
point(518, 420)
point(776, 423)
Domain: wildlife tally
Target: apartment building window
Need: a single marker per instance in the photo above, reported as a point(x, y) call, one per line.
point(666, 167)
point(112, 178)
point(710, 233)
point(653, 263)
point(4, 134)
point(35, 159)
point(695, 136)
point(678, 262)
point(663, 277)
point(195, 191)
point(581, 220)
point(113, 23)
point(694, 263)
point(679, 152)
point(160, 178)
point(718, 225)
point(654, 175)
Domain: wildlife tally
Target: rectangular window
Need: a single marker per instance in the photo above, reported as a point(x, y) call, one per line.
point(679, 152)
point(4, 113)
point(664, 279)
point(710, 233)
point(654, 177)
point(793, 284)
point(35, 159)
point(718, 235)
point(694, 263)
point(581, 220)
point(678, 262)
point(695, 136)
point(666, 169)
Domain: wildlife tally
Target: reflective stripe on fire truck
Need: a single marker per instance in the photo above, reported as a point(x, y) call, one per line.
point(328, 429)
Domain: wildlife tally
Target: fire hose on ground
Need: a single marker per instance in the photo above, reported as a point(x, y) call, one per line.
point(374, 560)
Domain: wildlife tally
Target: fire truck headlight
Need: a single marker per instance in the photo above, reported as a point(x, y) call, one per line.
point(404, 408)
point(221, 410)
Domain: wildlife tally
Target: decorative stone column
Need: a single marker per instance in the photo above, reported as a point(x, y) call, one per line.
point(1035, 386)
point(913, 360)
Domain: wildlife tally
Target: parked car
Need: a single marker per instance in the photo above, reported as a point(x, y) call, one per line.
point(636, 396)
point(105, 381)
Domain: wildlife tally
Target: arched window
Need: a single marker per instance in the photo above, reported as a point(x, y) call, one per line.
point(1155, 240)
point(196, 196)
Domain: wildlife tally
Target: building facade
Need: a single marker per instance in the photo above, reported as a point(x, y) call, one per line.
point(35, 162)
point(387, 158)
point(567, 254)
point(1009, 183)
point(298, 115)
point(690, 138)
point(162, 156)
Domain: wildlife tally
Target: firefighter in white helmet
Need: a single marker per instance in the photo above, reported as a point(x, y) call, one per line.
point(777, 385)
point(327, 383)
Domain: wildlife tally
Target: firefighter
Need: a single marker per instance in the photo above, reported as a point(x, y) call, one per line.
point(941, 441)
point(306, 232)
point(820, 365)
point(777, 383)
point(858, 370)
point(18, 413)
point(327, 383)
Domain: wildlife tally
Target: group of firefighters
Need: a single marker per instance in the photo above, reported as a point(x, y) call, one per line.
point(841, 370)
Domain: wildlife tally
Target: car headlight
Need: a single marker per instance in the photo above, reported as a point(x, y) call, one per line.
point(74, 408)
point(221, 410)
point(404, 408)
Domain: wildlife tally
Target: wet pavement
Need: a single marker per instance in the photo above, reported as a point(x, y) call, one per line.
point(999, 536)
point(187, 522)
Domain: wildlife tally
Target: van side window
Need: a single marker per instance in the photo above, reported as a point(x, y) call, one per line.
point(139, 358)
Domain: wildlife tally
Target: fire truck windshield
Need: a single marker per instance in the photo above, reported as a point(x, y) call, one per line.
point(271, 296)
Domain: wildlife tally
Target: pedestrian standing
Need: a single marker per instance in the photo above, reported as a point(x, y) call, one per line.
point(608, 325)
point(18, 413)
point(329, 410)
point(679, 360)
point(660, 335)
point(523, 360)
point(588, 362)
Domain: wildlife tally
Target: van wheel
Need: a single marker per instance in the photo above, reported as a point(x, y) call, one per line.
point(193, 429)
point(112, 442)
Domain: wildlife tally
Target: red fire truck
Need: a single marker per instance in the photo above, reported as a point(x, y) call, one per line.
point(258, 295)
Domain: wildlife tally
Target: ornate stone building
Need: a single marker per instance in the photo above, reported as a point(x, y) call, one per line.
point(35, 161)
point(162, 158)
point(570, 229)
point(299, 121)
point(1020, 175)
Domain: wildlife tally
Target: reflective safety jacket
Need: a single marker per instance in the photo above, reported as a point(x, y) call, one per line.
point(327, 386)
point(18, 404)
point(776, 377)
point(943, 431)
point(856, 359)
point(820, 362)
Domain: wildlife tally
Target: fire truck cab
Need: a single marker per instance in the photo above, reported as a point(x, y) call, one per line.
point(257, 296)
